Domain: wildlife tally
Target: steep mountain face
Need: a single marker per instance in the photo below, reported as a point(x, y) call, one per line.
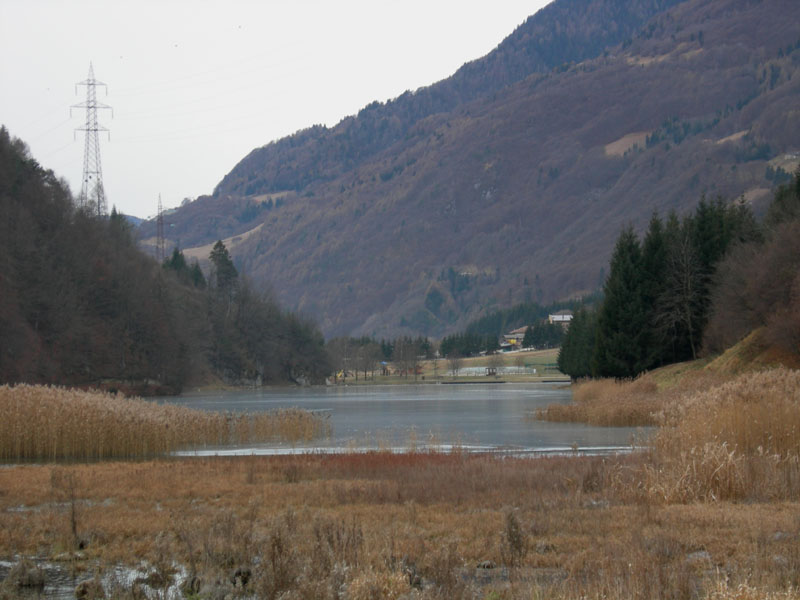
point(561, 33)
point(511, 180)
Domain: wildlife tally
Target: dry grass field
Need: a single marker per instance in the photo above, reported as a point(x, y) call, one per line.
point(709, 510)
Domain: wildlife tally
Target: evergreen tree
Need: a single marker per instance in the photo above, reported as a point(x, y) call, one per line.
point(620, 350)
point(177, 262)
point(708, 232)
point(187, 275)
point(224, 271)
point(785, 205)
point(577, 349)
point(654, 263)
point(527, 339)
point(196, 275)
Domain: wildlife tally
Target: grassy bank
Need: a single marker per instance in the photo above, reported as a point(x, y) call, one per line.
point(718, 436)
point(45, 423)
point(643, 401)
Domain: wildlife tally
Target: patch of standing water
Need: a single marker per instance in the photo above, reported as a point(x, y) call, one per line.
point(61, 579)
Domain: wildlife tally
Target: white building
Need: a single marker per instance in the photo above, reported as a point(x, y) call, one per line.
point(562, 317)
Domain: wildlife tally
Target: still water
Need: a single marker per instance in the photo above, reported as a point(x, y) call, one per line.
point(473, 417)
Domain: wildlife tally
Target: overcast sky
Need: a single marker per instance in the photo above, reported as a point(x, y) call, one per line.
point(195, 85)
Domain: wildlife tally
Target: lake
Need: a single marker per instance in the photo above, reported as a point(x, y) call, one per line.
point(472, 417)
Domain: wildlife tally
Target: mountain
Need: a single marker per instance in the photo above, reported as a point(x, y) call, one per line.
point(134, 221)
point(510, 180)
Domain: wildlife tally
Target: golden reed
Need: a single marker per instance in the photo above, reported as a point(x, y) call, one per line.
point(51, 423)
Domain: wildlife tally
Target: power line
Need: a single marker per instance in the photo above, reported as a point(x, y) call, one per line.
point(161, 245)
point(93, 196)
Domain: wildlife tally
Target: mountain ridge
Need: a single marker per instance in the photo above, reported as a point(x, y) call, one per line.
point(529, 49)
point(515, 195)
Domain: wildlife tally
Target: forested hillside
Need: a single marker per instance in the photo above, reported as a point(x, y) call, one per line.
point(81, 305)
point(508, 182)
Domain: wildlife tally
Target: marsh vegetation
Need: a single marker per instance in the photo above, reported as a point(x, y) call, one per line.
point(49, 423)
point(708, 510)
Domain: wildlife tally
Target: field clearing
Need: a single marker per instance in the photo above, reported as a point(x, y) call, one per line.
point(438, 370)
point(201, 252)
point(734, 137)
point(625, 143)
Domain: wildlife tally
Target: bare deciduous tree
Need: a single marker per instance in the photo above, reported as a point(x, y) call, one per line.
point(406, 355)
point(454, 361)
point(367, 357)
point(758, 285)
point(680, 305)
point(496, 362)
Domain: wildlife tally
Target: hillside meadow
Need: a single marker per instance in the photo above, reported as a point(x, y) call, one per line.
point(708, 510)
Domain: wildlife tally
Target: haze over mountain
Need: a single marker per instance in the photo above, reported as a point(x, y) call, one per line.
point(510, 180)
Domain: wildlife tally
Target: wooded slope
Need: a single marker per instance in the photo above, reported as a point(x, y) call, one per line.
point(81, 305)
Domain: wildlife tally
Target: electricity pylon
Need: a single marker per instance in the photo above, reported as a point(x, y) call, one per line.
point(161, 243)
point(93, 195)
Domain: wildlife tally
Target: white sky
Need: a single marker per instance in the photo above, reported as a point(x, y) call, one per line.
point(195, 85)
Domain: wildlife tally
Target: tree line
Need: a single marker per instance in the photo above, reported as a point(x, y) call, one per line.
point(362, 356)
point(692, 285)
point(81, 305)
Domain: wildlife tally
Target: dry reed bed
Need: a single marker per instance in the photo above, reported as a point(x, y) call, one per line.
point(718, 437)
point(626, 403)
point(739, 440)
point(606, 403)
point(50, 423)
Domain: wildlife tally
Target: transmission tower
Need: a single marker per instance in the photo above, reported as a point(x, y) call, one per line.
point(161, 243)
point(93, 196)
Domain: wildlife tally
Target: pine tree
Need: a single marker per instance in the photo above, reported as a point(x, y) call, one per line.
point(224, 271)
point(654, 263)
point(527, 339)
point(620, 350)
point(196, 275)
point(577, 349)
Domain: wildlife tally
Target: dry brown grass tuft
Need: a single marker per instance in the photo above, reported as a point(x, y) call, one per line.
point(607, 402)
point(723, 591)
point(416, 526)
point(49, 423)
point(719, 437)
point(739, 440)
point(628, 403)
